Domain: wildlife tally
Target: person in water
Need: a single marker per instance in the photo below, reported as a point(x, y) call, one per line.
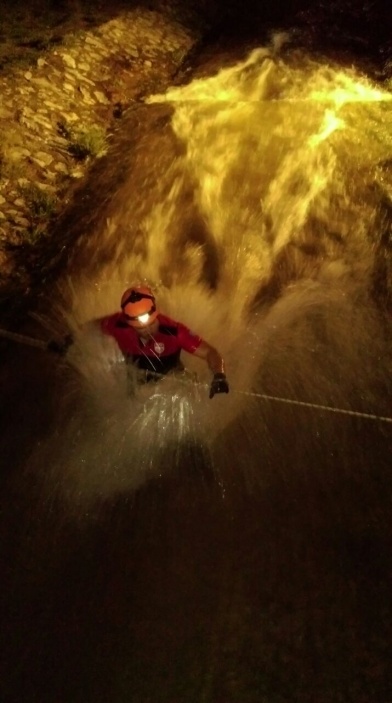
point(153, 342)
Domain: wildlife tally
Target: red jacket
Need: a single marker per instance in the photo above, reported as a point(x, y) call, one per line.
point(159, 353)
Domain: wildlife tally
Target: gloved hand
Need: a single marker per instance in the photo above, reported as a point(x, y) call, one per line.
point(60, 348)
point(219, 384)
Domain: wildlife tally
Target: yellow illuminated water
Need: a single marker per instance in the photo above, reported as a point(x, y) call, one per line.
point(279, 172)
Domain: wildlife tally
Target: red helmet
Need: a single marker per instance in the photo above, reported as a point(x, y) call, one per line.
point(138, 306)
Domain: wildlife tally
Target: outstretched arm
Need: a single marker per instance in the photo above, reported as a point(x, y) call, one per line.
point(216, 365)
point(211, 356)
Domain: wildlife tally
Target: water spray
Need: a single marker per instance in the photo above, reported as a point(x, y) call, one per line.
point(47, 346)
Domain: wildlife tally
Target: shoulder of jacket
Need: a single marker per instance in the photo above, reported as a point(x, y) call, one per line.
point(167, 325)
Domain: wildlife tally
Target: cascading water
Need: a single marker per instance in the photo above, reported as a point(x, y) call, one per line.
point(261, 233)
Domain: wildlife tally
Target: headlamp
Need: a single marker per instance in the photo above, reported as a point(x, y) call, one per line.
point(141, 318)
point(144, 318)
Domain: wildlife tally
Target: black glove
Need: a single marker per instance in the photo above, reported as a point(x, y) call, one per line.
point(60, 348)
point(219, 384)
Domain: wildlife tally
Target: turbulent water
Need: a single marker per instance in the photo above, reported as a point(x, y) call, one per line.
point(259, 217)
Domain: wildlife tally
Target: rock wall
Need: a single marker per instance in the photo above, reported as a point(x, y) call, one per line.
point(59, 113)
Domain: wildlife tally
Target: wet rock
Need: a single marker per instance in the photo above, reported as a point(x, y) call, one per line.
point(77, 173)
point(87, 99)
point(72, 117)
point(60, 142)
point(40, 82)
point(93, 41)
point(17, 152)
point(61, 168)
point(38, 162)
point(68, 87)
point(45, 158)
point(43, 121)
point(101, 97)
point(133, 51)
point(46, 188)
point(69, 60)
point(22, 221)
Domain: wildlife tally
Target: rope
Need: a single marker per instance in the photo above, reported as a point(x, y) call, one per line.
point(317, 406)
point(30, 341)
point(290, 401)
point(23, 339)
